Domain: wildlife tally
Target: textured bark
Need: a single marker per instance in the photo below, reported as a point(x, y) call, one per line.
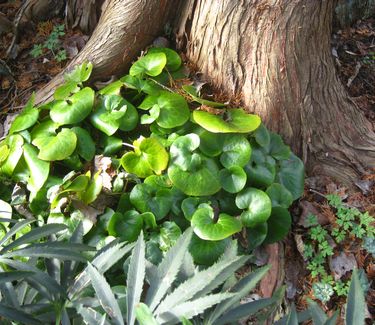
point(124, 29)
point(349, 11)
point(276, 55)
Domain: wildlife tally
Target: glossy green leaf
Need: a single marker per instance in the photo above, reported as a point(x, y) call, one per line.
point(130, 119)
point(111, 145)
point(93, 189)
point(26, 118)
point(144, 315)
point(39, 169)
point(147, 198)
point(4, 152)
point(149, 157)
point(233, 179)
point(182, 149)
point(236, 151)
point(234, 120)
point(261, 169)
point(262, 136)
point(75, 109)
point(80, 73)
point(205, 227)
point(211, 144)
point(114, 88)
point(173, 59)
point(207, 252)
point(192, 91)
point(56, 147)
point(279, 224)
point(85, 143)
point(14, 143)
point(126, 226)
point(65, 90)
point(154, 113)
point(44, 129)
point(279, 195)
point(201, 179)
point(169, 233)
point(151, 64)
point(257, 206)
point(141, 85)
point(5, 211)
point(189, 206)
point(291, 175)
point(256, 235)
point(277, 148)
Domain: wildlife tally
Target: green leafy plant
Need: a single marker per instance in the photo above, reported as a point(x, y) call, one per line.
point(167, 168)
point(53, 44)
point(350, 223)
point(186, 294)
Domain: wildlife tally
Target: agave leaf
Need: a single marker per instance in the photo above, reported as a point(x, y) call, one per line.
point(17, 315)
point(105, 258)
point(69, 266)
point(8, 293)
point(144, 315)
point(216, 274)
point(317, 314)
point(332, 320)
point(35, 234)
point(135, 280)
point(105, 295)
point(91, 316)
point(241, 289)
point(192, 308)
point(47, 252)
point(167, 270)
point(243, 310)
point(292, 317)
point(13, 276)
point(16, 228)
point(356, 305)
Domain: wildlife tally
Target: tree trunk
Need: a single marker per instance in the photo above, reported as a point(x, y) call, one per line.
point(124, 29)
point(276, 56)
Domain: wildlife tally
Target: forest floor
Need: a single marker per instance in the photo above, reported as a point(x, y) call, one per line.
point(353, 49)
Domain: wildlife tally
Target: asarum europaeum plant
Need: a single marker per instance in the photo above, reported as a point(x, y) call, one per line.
point(139, 148)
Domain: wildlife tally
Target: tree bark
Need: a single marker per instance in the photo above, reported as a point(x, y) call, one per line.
point(276, 56)
point(124, 29)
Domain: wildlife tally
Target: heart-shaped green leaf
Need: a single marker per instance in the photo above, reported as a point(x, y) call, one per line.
point(126, 226)
point(141, 85)
point(4, 152)
point(192, 91)
point(149, 157)
point(65, 90)
point(206, 227)
point(277, 148)
point(154, 113)
point(174, 110)
point(234, 120)
point(257, 206)
point(233, 179)
point(169, 233)
point(44, 129)
point(173, 59)
point(147, 198)
point(236, 151)
point(261, 169)
point(14, 144)
point(279, 195)
point(114, 88)
point(85, 144)
point(207, 252)
point(279, 224)
point(80, 73)
point(291, 174)
point(130, 119)
point(151, 64)
point(200, 179)
point(182, 149)
point(93, 189)
point(256, 235)
point(26, 118)
point(56, 147)
point(39, 169)
point(75, 109)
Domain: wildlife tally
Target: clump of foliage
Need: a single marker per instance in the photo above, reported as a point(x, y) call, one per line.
point(52, 44)
point(167, 167)
point(351, 224)
point(355, 311)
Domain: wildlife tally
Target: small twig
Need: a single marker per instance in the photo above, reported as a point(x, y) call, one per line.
point(316, 192)
point(161, 85)
point(351, 79)
point(128, 145)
